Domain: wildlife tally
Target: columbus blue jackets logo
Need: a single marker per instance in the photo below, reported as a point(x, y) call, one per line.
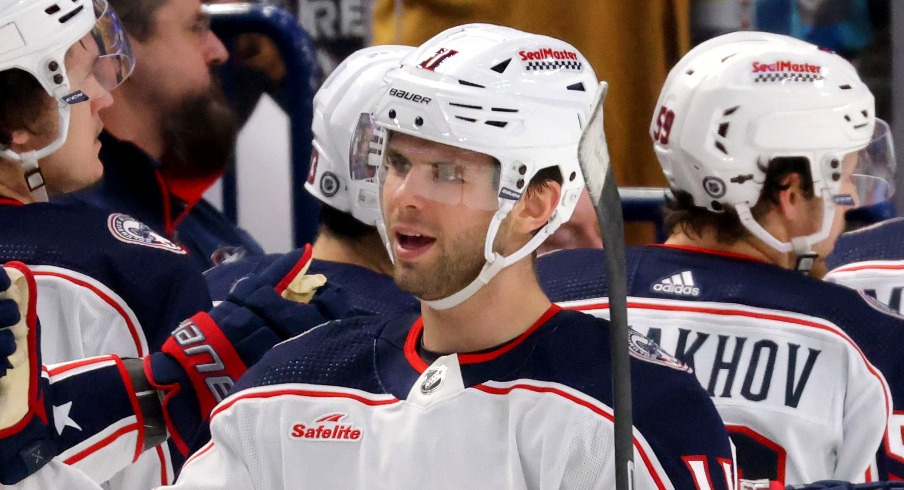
point(647, 350)
point(129, 230)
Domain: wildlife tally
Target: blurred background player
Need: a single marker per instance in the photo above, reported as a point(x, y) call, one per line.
point(758, 135)
point(171, 133)
point(108, 283)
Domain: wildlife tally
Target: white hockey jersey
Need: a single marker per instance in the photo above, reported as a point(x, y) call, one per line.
point(800, 400)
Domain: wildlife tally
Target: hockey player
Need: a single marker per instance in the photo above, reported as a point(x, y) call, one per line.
point(480, 369)
point(108, 283)
point(758, 136)
point(871, 259)
point(348, 249)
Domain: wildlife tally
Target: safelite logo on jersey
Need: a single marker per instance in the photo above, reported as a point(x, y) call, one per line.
point(330, 427)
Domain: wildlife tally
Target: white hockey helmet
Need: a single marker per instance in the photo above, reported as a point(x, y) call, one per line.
point(520, 98)
point(739, 100)
point(35, 36)
point(350, 91)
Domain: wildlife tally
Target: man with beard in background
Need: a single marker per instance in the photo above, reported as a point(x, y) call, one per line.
point(171, 133)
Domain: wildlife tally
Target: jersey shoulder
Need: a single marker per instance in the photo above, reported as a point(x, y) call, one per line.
point(881, 241)
point(337, 353)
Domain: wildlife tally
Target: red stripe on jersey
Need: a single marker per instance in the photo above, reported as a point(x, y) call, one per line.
point(133, 330)
point(862, 266)
point(136, 409)
point(69, 366)
point(101, 444)
point(594, 408)
point(414, 334)
point(300, 392)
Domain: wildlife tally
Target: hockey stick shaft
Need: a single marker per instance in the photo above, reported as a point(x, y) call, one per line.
point(611, 224)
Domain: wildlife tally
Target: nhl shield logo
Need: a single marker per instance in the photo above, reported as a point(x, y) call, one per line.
point(129, 230)
point(433, 380)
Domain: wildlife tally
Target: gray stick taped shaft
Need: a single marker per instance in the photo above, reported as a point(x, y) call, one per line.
point(612, 227)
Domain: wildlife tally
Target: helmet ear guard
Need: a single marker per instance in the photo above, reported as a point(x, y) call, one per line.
point(744, 98)
point(517, 97)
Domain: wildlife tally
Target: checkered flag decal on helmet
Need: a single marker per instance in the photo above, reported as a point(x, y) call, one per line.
point(794, 77)
point(554, 65)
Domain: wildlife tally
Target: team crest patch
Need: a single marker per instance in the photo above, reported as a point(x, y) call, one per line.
point(331, 427)
point(646, 350)
point(129, 230)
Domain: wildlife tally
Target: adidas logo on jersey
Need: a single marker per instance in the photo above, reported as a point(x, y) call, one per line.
point(329, 427)
point(678, 284)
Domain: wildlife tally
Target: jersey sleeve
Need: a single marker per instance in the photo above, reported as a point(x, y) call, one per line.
point(56, 474)
point(681, 426)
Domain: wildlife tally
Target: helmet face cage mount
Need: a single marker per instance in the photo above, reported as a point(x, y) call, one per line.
point(517, 97)
point(734, 103)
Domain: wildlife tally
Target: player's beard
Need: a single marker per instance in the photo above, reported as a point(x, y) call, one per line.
point(200, 134)
point(458, 262)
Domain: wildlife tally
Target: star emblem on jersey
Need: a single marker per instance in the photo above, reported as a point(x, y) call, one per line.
point(331, 427)
point(61, 418)
point(129, 230)
point(433, 380)
point(681, 284)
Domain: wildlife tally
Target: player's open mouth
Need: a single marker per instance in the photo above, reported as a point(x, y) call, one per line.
point(410, 245)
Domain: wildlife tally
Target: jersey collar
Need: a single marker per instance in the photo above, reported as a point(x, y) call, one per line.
point(416, 331)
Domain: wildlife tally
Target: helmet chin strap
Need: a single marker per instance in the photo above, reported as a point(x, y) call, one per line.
point(495, 261)
point(34, 179)
point(801, 246)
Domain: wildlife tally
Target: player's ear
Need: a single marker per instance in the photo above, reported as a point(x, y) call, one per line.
point(791, 199)
point(536, 206)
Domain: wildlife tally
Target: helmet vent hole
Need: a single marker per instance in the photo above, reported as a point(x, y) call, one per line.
point(52, 9)
point(730, 110)
point(577, 86)
point(501, 66)
point(469, 119)
point(498, 124)
point(419, 121)
point(470, 84)
point(844, 87)
point(721, 147)
point(392, 113)
point(465, 106)
point(847, 118)
point(66, 18)
point(502, 109)
point(573, 176)
point(865, 113)
point(723, 129)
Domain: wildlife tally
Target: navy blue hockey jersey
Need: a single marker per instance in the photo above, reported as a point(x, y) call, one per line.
point(871, 260)
point(352, 405)
point(776, 351)
point(107, 284)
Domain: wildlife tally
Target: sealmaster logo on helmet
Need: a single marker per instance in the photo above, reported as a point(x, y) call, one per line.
point(551, 59)
point(786, 70)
